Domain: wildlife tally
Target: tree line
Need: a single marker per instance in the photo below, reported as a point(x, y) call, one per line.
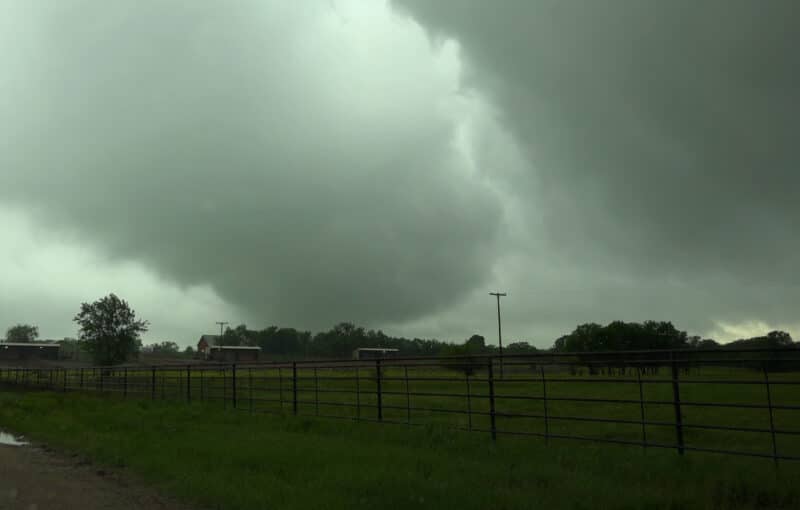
point(110, 333)
point(653, 335)
point(344, 338)
point(341, 340)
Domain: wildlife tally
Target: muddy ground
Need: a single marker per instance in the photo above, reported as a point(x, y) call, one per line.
point(36, 478)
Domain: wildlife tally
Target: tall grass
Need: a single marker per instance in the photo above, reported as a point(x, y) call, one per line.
point(232, 460)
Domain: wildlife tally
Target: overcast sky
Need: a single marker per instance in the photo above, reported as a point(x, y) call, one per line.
point(390, 163)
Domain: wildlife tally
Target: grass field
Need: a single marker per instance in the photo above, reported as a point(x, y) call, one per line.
point(424, 395)
point(222, 459)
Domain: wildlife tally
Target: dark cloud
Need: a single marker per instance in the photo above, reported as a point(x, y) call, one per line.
point(663, 141)
point(254, 147)
point(597, 160)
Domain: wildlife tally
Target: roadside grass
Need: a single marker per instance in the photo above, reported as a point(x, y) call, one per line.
point(231, 460)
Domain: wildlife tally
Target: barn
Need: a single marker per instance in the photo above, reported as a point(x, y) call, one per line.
point(205, 343)
point(11, 351)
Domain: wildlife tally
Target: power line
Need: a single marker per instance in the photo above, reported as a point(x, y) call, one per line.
point(222, 324)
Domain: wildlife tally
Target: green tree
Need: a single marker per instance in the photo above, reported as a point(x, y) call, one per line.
point(779, 339)
point(476, 344)
point(520, 347)
point(162, 349)
point(22, 333)
point(110, 330)
point(463, 355)
point(621, 336)
point(239, 335)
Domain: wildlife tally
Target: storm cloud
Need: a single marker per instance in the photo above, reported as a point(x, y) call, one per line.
point(302, 160)
point(390, 163)
point(662, 138)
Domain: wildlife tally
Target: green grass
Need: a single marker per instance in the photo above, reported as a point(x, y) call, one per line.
point(224, 459)
point(337, 392)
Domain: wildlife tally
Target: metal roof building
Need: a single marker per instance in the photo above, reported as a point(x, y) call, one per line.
point(13, 351)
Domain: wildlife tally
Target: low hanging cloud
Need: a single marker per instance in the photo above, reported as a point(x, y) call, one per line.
point(301, 160)
point(661, 138)
point(44, 277)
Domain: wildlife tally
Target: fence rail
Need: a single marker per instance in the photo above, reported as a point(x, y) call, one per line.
point(730, 402)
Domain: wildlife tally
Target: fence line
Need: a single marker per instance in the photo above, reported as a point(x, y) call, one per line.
point(624, 400)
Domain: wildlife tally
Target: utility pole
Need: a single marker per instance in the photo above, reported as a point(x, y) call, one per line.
point(221, 325)
point(499, 328)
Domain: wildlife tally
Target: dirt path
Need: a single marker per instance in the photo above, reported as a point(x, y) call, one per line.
point(32, 478)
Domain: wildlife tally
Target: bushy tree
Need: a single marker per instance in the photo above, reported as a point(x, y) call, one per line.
point(465, 357)
point(622, 336)
point(520, 347)
point(772, 340)
point(22, 333)
point(696, 342)
point(109, 329)
point(475, 344)
point(239, 335)
point(162, 349)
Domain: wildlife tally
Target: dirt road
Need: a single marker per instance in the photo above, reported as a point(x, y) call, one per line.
point(32, 478)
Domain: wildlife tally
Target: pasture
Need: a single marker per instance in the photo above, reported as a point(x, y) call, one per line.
point(693, 409)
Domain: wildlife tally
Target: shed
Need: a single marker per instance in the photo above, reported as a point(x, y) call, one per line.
point(374, 353)
point(12, 351)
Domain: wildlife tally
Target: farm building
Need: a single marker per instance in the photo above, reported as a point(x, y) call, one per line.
point(374, 353)
point(25, 351)
point(205, 343)
point(233, 353)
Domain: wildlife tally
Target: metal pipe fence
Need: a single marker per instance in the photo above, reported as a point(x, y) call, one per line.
point(730, 402)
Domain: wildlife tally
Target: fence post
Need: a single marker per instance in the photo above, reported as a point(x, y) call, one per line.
point(81, 378)
point(316, 392)
point(491, 399)
point(641, 406)
point(676, 400)
point(380, 392)
point(250, 387)
point(544, 402)
point(202, 382)
point(280, 387)
point(224, 388)
point(153, 383)
point(188, 383)
point(408, 396)
point(771, 418)
point(233, 384)
point(469, 405)
point(294, 387)
point(358, 394)
point(124, 383)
